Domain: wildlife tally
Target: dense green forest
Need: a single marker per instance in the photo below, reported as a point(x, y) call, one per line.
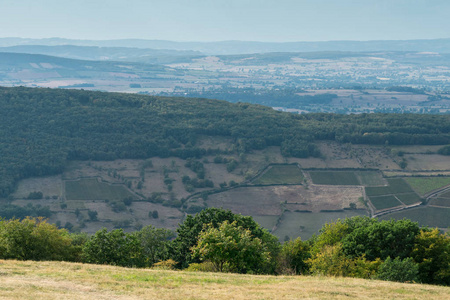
point(42, 129)
point(220, 241)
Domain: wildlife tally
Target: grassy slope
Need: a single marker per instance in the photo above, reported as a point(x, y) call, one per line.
point(56, 280)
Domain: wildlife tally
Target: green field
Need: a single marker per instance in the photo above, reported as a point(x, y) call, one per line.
point(440, 202)
point(370, 178)
point(304, 225)
point(445, 195)
point(281, 174)
point(266, 221)
point(398, 185)
point(378, 191)
point(383, 202)
point(425, 216)
point(334, 177)
point(410, 198)
point(424, 185)
point(92, 189)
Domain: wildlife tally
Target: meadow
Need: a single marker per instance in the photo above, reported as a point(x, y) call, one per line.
point(425, 185)
point(305, 225)
point(281, 174)
point(92, 189)
point(334, 177)
point(426, 216)
point(61, 280)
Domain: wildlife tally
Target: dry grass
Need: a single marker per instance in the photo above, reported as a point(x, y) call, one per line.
point(57, 280)
point(420, 162)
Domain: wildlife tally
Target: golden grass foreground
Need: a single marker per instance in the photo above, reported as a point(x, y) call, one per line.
point(61, 280)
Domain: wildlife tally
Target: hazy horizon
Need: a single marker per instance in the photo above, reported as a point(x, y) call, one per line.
point(231, 20)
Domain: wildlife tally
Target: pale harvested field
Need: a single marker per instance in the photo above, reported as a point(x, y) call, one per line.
point(266, 200)
point(248, 201)
point(218, 173)
point(59, 280)
point(421, 162)
point(49, 186)
point(417, 148)
point(374, 157)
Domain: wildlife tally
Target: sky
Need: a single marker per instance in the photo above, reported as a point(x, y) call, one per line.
point(219, 20)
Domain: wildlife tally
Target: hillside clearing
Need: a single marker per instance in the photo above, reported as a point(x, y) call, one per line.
point(57, 280)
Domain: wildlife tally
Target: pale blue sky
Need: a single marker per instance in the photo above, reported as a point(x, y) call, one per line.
point(217, 20)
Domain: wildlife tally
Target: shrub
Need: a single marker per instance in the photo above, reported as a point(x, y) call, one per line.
point(165, 265)
point(35, 195)
point(34, 239)
point(292, 257)
point(92, 215)
point(405, 270)
point(206, 266)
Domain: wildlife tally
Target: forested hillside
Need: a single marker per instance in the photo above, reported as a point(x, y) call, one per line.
point(42, 129)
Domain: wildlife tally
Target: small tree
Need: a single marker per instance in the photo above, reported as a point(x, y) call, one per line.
point(155, 243)
point(230, 246)
point(432, 253)
point(128, 201)
point(293, 256)
point(92, 215)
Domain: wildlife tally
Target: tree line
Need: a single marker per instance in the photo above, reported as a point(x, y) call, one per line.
point(42, 129)
point(217, 240)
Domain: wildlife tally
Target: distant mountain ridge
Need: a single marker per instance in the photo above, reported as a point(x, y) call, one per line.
point(103, 53)
point(246, 47)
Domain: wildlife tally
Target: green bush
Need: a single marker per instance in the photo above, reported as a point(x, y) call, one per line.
point(34, 239)
point(405, 270)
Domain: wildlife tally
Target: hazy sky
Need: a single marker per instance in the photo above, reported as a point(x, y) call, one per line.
point(216, 20)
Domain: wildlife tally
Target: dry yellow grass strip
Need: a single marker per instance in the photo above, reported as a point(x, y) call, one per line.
point(59, 280)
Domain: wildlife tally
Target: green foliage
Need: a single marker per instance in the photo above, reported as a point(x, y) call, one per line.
point(293, 256)
point(432, 253)
point(114, 248)
point(34, 239)
point(232, 165)
point(92, 215)
point(232, 246)
point(155, 244)
point(10, 211)
point(206, 266)
point(153, 214)
point(329, 235)
point(35, 195)
point(165, 265)
point(379, 239)
point(188, 233)
point(332, 261)
point(444, 150)
point(128, 201)
point(405, 270)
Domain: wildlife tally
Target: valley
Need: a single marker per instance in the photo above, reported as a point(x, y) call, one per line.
point(291, 197)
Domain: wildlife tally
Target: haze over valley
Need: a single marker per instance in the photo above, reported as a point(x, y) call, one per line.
point(193, 138)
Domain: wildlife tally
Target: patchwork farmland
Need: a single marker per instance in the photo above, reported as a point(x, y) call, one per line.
point(285, 195)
